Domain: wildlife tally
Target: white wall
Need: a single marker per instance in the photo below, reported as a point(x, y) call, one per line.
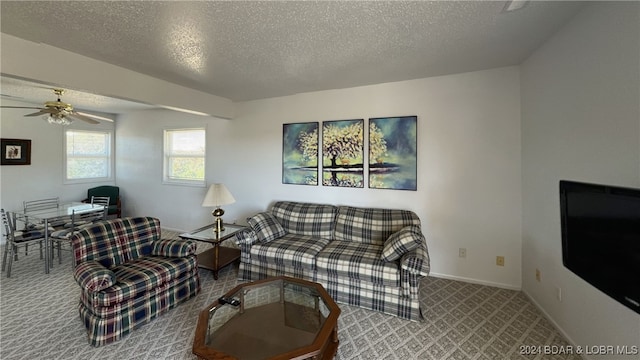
point(469, 164)
point(580, 121)
point(44, 178)
point(139, 150)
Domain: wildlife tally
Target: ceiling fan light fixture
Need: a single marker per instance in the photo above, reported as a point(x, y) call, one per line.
point(58, 119)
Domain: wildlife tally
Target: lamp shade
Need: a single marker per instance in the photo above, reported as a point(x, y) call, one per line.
point(217, 195)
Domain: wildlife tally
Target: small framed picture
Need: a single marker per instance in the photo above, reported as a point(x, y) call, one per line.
point(15, 152)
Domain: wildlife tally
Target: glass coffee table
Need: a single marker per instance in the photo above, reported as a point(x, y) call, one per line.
point(218, 256)
point(275, 318)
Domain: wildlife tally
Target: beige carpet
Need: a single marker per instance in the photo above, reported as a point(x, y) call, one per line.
point(39, 320)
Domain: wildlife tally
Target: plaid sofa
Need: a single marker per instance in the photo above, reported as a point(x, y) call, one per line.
point(367, 257)
point(129, 276)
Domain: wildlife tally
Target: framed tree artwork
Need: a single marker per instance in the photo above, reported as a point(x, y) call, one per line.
point(300, 153)
point(393, 153)
point(343, 153)
point(15, 152)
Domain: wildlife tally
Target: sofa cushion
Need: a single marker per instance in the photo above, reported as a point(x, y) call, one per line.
point(266, 227)
point(20, 236)
point(173, 292)
point(356, 260)
point(316, 220)
point(291, 250)
point(141, 276)
point(402, 241)
point(370, 225)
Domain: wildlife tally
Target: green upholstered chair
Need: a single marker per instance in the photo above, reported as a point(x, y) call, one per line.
point(113, 192)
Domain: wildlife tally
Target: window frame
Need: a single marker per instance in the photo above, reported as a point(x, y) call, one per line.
point(110, 156)
point(168, 180)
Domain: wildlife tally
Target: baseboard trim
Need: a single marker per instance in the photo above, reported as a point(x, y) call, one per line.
point(555, 324)
point(476, 281)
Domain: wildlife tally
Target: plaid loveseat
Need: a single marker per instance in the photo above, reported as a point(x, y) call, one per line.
point(367, 257)
point(128, 275)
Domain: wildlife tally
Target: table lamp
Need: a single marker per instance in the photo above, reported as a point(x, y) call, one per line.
point(218, 195)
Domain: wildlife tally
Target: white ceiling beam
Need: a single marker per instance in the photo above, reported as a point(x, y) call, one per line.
point(47, 64)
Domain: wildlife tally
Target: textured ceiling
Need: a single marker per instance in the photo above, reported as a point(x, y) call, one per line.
point(245, 50)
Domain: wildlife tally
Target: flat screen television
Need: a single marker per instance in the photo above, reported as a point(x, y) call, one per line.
point(601, 238)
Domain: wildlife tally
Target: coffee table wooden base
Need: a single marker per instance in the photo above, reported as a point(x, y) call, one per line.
point(207, 259)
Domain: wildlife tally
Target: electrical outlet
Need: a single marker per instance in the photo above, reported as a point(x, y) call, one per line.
point(559, 293)
point(538, 275)
point(500, 260)
point(462, 252)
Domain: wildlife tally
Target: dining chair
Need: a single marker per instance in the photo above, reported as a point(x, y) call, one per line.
point(37, 205)
point(113, 192)
point(79, 220)
point(95, 200)
point(15, 238)
point(101, 200)
point(41, 204)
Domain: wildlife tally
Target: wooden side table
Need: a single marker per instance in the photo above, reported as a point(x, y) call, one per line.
point(217, 257)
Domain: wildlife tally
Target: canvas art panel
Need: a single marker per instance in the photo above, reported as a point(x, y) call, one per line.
point(343, 153)
point(300, 153)
point(393, 153)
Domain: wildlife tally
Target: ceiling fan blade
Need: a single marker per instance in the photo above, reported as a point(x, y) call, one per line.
point(42, 112)
point(7, 96)
point(89, 120)
point(11, 97)
point(92, 116)
point(59, 109)
point(19, 107)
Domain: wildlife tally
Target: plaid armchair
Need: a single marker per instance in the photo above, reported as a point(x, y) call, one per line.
point(128, 275)
point(367, 257)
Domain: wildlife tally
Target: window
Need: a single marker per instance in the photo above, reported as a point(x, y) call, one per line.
point(88, 155)
point(184, 152)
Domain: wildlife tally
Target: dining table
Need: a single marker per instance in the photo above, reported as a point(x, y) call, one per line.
point(53, 215)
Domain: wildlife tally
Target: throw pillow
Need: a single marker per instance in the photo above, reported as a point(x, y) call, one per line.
point(401, 242)
point(266, 227)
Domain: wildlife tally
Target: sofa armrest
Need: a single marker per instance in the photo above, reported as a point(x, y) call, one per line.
point(416, 261)
point(93, 276)
point(173, 248)
point(246, 238)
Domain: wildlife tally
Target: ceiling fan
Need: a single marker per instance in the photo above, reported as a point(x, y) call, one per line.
point(61, 113)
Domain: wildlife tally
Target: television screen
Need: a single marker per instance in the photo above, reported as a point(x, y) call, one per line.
point(601, 238)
